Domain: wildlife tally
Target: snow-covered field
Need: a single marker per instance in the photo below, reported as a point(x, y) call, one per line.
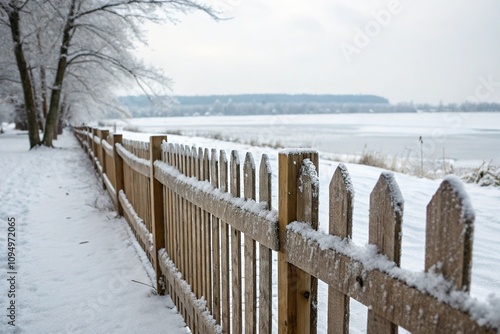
point(61, 281)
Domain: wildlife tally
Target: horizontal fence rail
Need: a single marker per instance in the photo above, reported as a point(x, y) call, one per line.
point(206, 223)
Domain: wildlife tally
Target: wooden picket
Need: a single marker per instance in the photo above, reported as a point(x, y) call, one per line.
point(340, 224)
point(265, 254)
point(211, 243)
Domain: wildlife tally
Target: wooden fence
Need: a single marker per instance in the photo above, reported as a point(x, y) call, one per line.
point(211, 241)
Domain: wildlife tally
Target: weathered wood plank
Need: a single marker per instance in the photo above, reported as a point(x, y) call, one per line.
point(177, 212)
point(386, 217)
point(249, 192)
point(422, 313)
point(235, 183)
point(195, 232)
point(449, 234)
point(183, 265)
point(207, 236)
point(199, 234)
point(214, 180)
point(188, 225)
point(265, 254)
point(225, 258)
point(103, 134)
point(340, 224)
point(118, 168)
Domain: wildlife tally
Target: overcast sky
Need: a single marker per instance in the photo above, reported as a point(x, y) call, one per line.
point(425, 51)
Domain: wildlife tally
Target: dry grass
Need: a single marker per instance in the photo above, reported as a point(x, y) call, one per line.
point(373, 159)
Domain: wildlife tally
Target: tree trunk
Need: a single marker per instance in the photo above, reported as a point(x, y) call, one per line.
point(55, 97)
point(43, 79)
point(29, 99)
point(37, 105)
point(60, 121)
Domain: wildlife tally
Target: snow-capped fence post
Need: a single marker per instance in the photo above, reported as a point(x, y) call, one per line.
point(157, 218)
point(385, 219)
point(89, 142)
point(340, 225)
point(118, 167)
point(295, 287)
point(449, 233)
point(102, 134)
point(108, 163)
point(94, 148)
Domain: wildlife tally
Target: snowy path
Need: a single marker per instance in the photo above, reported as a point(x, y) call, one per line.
point(75, 261)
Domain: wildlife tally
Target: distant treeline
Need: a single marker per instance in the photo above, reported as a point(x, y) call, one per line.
point(264, 104)
point(279, 98)
point(143, 100)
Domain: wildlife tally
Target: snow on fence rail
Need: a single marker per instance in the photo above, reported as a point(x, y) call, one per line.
point(211, 242)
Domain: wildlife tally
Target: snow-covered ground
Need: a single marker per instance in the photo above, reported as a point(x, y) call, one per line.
point(74, 260)
point(62, 280)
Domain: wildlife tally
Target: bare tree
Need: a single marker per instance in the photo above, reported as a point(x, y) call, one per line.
point(86, 18)
point(10, 15)
point(77, 46)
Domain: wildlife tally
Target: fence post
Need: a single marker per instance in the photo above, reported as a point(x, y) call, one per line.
point(118, 166)
point(89, 143)
point(385, 219)
point(103, 134)
point(341, 197)
point(289, 276)
point(94, 149)
point(157, 219)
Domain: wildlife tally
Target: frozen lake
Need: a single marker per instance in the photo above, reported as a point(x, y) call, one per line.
point(467, 138)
